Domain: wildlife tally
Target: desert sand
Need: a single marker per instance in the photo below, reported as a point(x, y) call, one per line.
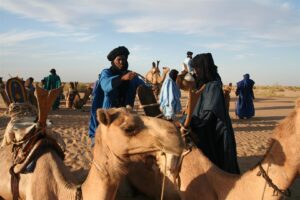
point(252, 136)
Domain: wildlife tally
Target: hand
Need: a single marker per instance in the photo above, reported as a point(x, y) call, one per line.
point(128, 76)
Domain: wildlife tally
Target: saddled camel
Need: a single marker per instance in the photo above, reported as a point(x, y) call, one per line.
point(200, 178)
point(120, 137)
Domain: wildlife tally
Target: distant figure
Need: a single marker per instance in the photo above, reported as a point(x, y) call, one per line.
point(244, 104)
point(227, 90)
point(187, 62)
point(30, 91)
point(115, 87)
point(169, 98)
point(52, 82)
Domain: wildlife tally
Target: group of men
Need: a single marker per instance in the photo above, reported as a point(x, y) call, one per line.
point(210, 122)
point(116, 87)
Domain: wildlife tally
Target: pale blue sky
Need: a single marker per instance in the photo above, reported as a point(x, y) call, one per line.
point(260, 37)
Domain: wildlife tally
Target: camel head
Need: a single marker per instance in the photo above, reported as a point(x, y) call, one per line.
point(127, 134)
point(155, 69)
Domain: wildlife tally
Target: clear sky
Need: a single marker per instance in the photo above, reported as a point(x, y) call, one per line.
point(259, 37)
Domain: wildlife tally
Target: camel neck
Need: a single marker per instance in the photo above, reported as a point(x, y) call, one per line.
point(103, 178)
point(279, 167)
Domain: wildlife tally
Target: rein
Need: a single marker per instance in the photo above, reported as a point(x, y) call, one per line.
point(164, 178)
point(264, 174)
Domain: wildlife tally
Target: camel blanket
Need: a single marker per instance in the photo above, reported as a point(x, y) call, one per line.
point(23, 123)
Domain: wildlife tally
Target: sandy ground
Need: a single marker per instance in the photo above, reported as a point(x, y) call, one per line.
point(252, 135)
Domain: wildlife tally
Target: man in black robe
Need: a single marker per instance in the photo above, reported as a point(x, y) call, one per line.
point(210, 122)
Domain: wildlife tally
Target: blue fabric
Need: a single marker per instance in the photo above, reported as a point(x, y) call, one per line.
point(244, 104)
point(169, 98)
point(105, 95)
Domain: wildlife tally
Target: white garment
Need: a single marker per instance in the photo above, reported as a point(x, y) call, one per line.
point(187, 62)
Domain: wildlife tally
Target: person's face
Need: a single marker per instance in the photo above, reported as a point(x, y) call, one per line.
point(120, 61)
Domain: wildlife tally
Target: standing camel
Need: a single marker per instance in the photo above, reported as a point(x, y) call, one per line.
point(120, 137)
point(154, 77)
point(199, 178)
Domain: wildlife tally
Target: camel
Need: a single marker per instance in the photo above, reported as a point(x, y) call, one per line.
point(79, 102)
point(73, 98)
point(154, 77)
point(121, 136)
point(199, 177)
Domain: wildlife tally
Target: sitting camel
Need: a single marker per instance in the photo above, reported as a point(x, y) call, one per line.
point(198, 177)
point(79, 102)
point(121, 136)
point(154, 77)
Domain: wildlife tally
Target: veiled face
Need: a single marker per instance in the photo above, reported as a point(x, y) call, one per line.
point(120, 61)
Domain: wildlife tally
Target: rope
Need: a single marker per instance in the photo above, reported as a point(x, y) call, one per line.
point(264, 174)
point(149, 105)
point(164, 178)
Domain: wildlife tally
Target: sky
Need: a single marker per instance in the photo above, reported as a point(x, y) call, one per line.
point(259, 37)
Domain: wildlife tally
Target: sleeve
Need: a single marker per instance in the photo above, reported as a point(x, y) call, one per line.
point(108, 81)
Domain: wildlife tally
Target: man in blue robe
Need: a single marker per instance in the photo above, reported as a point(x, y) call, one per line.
point(115, 87)
point(169, 98)
point(244, 104)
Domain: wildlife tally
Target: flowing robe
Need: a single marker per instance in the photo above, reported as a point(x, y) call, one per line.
point(244, 104)
point(109, 92)
point(169, 98)
point(212, 128)
point(53, 82)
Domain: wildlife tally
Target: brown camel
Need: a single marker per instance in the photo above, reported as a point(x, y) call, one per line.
point(200, 178)
point(79, 102)
point(120, 137)
point(154, 77)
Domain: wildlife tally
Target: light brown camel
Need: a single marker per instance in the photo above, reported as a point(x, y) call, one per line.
point(154, 77)
point(200, 178)
point(120, 137)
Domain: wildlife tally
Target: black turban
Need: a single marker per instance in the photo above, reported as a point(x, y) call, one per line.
point(189, 53)
point(117, 52)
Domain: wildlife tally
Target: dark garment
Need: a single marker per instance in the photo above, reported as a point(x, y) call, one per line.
point(212, 127)
point(244, 104)
point(53, 82)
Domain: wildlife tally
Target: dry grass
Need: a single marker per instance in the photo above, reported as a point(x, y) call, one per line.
point(277, 91)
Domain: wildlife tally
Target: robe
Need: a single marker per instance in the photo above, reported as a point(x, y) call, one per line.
point(106, 94)
point(212, 128)
point(169, 98)
point(53, 82)
point(244, 104)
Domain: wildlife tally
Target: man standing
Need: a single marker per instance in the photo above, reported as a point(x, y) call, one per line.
point(115, 87)
point(187, 62)
point(244, 104)
point(52, 82)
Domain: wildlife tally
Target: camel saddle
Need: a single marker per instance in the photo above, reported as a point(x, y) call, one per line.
point(28, 133)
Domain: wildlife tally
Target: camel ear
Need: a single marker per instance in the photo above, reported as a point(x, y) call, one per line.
point(103, 117)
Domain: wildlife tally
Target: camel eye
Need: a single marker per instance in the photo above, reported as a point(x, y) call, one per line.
point(130, 130)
